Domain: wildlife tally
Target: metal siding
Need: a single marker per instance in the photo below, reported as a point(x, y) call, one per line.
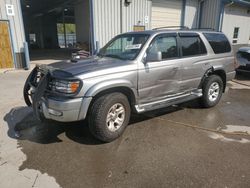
point(166, 13)
point(3, 10)
point(112, 17)
point(16, 23)
point(135, 13)
point(106, 15)
point(191, 14)
point(210, 15)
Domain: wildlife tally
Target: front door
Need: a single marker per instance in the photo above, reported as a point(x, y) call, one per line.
point(6, 57)
point(160, 79)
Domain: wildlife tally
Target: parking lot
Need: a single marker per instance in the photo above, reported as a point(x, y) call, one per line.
point(181, 146)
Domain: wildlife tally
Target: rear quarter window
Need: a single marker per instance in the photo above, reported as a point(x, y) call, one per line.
point(218, 42)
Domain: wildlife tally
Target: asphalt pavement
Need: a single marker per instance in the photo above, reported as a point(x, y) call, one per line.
point(180, 146)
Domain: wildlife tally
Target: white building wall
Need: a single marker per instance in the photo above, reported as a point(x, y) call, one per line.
point(237, 16)
point(191, 14)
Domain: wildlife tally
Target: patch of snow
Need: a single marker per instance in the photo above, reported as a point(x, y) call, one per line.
point(225, 139)
point(236, 129)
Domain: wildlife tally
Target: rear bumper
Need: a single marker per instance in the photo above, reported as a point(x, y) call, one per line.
point(231, 75)
point(65, 110)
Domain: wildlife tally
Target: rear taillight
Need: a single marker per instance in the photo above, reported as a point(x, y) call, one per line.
point(236, 64)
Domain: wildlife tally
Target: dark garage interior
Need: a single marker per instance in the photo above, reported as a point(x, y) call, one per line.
point(55, 29)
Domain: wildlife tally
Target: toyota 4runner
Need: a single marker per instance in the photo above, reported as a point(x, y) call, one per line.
point(135, 71)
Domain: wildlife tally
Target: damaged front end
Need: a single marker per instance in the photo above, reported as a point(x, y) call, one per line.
point(47, 86)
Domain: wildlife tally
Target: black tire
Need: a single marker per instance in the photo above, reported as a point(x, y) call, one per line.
point(99, 111)
point(238, 73)
point(206, 101)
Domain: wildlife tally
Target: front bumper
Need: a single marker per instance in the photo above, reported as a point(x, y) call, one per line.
point(59, 108)
point(65, 110)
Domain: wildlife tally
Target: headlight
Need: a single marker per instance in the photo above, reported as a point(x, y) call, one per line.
point(64, 86)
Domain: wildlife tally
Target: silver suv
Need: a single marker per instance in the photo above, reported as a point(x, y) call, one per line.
point(134, 72)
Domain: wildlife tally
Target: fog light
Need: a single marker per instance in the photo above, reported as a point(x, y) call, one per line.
point(54, 112)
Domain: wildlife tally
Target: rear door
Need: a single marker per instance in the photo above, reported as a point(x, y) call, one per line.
point(193, 57)
point(160, 79)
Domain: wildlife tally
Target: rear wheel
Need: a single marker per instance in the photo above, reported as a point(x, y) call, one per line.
point(109, 116)
point(212, 91)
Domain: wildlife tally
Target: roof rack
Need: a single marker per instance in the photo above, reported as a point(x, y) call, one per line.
point(203, 28)
point(172, 27)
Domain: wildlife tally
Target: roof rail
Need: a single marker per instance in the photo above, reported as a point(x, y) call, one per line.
point(171, 27)
point(203, 28)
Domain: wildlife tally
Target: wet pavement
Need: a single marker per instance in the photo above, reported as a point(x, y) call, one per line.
point(181, 146)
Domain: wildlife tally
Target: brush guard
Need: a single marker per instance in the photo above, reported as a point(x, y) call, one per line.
point(35, 87)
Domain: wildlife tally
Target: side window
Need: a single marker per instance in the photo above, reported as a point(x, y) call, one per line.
point(166, 45)
point(192, 45)
point(218, 42)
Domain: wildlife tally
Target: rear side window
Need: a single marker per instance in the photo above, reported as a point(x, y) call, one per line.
point(218, 42)
point(192, 45)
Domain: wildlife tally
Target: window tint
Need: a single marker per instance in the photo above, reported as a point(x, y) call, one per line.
point(218, 42)
point(192, 46)
point(166, 45)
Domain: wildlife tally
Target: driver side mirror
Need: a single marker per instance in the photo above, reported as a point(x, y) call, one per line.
point(153, 56)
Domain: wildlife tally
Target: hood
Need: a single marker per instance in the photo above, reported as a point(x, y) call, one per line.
point(89, 65)
point(245, 49)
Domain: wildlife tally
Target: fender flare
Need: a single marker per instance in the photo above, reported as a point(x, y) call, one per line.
point(213, 70)
point(110, 84)
point(206, 74)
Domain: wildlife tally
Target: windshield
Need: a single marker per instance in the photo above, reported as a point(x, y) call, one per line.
point(125, 47)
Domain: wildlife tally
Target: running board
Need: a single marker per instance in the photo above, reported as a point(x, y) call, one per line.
point(168, 101)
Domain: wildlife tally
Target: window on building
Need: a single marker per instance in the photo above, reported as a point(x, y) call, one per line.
point(236, 35)
point(67, 38)
point(236, 32)
point(32, 38)
point(166, 45)
point(192, 45)
point(218, 42)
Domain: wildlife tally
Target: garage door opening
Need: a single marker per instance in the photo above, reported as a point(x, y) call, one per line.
point(56, 29)
point(166, 13)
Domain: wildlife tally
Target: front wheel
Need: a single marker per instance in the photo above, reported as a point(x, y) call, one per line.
point(109, 116)
point(212, 91)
